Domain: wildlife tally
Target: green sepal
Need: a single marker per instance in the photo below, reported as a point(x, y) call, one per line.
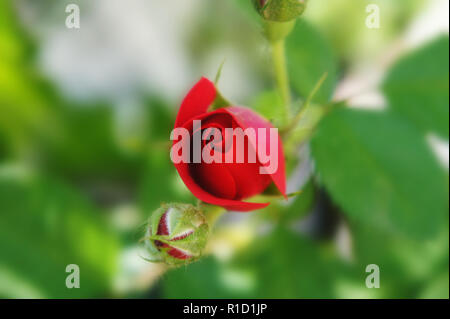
point(181, 219)
point(219, 102)
point(280, 10)
point(194, 243)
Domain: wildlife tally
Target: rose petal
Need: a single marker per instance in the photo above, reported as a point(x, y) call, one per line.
point(196, 102)
point(251, 182)
point(214, 177)
point(247, 118)
point(200, 193)
point(200, 105)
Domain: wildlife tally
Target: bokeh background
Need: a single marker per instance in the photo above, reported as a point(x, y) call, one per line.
point(85, 116)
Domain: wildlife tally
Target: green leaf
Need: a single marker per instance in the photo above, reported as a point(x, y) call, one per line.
point(417, 87)
point(380, 170)
point(45, 226)
point(309, 57)
point(301, 205)
point(286, 265)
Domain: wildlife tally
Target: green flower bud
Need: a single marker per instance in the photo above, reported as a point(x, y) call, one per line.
point(280, 10)
point(175, 234)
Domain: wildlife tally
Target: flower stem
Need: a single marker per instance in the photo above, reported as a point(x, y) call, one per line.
point(276, 33)
point(281, 74)
point(211, 212)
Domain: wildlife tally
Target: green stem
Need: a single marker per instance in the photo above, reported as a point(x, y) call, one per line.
point(276, 33)
point(281, 74)
point(211, 212)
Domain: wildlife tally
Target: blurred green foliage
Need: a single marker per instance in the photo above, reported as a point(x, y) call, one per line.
point(309, 57)
point(341, 22)
point(417, 87)
point(280, 265)
point(66, 171)
point(45, 226)
point(379, 169)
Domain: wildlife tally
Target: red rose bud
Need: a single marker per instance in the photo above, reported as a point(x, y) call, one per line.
point(227, 155)
point(176, 234)
point(280, 10)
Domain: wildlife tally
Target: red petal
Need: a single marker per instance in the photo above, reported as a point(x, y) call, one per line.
point(214, 177)
point(247, 118)
point(200, 193)
point(250, 181)
point(197, 101)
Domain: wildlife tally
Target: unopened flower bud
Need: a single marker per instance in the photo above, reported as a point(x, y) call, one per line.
point(280, 10)
point(176, 234)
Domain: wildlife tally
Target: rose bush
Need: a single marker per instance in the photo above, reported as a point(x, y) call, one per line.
point(227, 184)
